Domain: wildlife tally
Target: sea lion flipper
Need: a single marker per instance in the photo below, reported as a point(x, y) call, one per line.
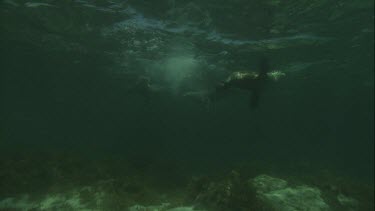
point(263, 67)
point(258, 87)
point(254, 99)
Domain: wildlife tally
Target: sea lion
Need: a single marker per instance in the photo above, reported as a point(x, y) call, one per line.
point(251, 81)
point(244, 80)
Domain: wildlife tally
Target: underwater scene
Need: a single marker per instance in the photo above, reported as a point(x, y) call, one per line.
point(186, 105)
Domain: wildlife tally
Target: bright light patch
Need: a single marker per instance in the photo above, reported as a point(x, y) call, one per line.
point(179, 69)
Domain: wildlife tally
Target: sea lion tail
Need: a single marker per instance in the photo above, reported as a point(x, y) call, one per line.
point(263, 67)
point(256, 92)
point(254, 100)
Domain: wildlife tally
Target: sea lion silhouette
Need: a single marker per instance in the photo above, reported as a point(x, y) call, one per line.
point(251, 81)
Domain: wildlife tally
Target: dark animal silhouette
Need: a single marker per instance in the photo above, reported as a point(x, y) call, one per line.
point(251, 81)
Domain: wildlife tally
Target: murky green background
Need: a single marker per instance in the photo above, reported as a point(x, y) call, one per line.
point(72, 76)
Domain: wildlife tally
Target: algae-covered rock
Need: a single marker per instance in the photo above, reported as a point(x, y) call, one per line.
point(162, 207)
point(21, 203)
point(138, 207)
point(280, 197)
point(66, 201)
point(230, 193)
point(295, 199)
point(184, 209)
point(348, 202)
point(264, 183)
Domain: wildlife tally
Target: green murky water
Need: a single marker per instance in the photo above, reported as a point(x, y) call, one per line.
point(125, 99)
